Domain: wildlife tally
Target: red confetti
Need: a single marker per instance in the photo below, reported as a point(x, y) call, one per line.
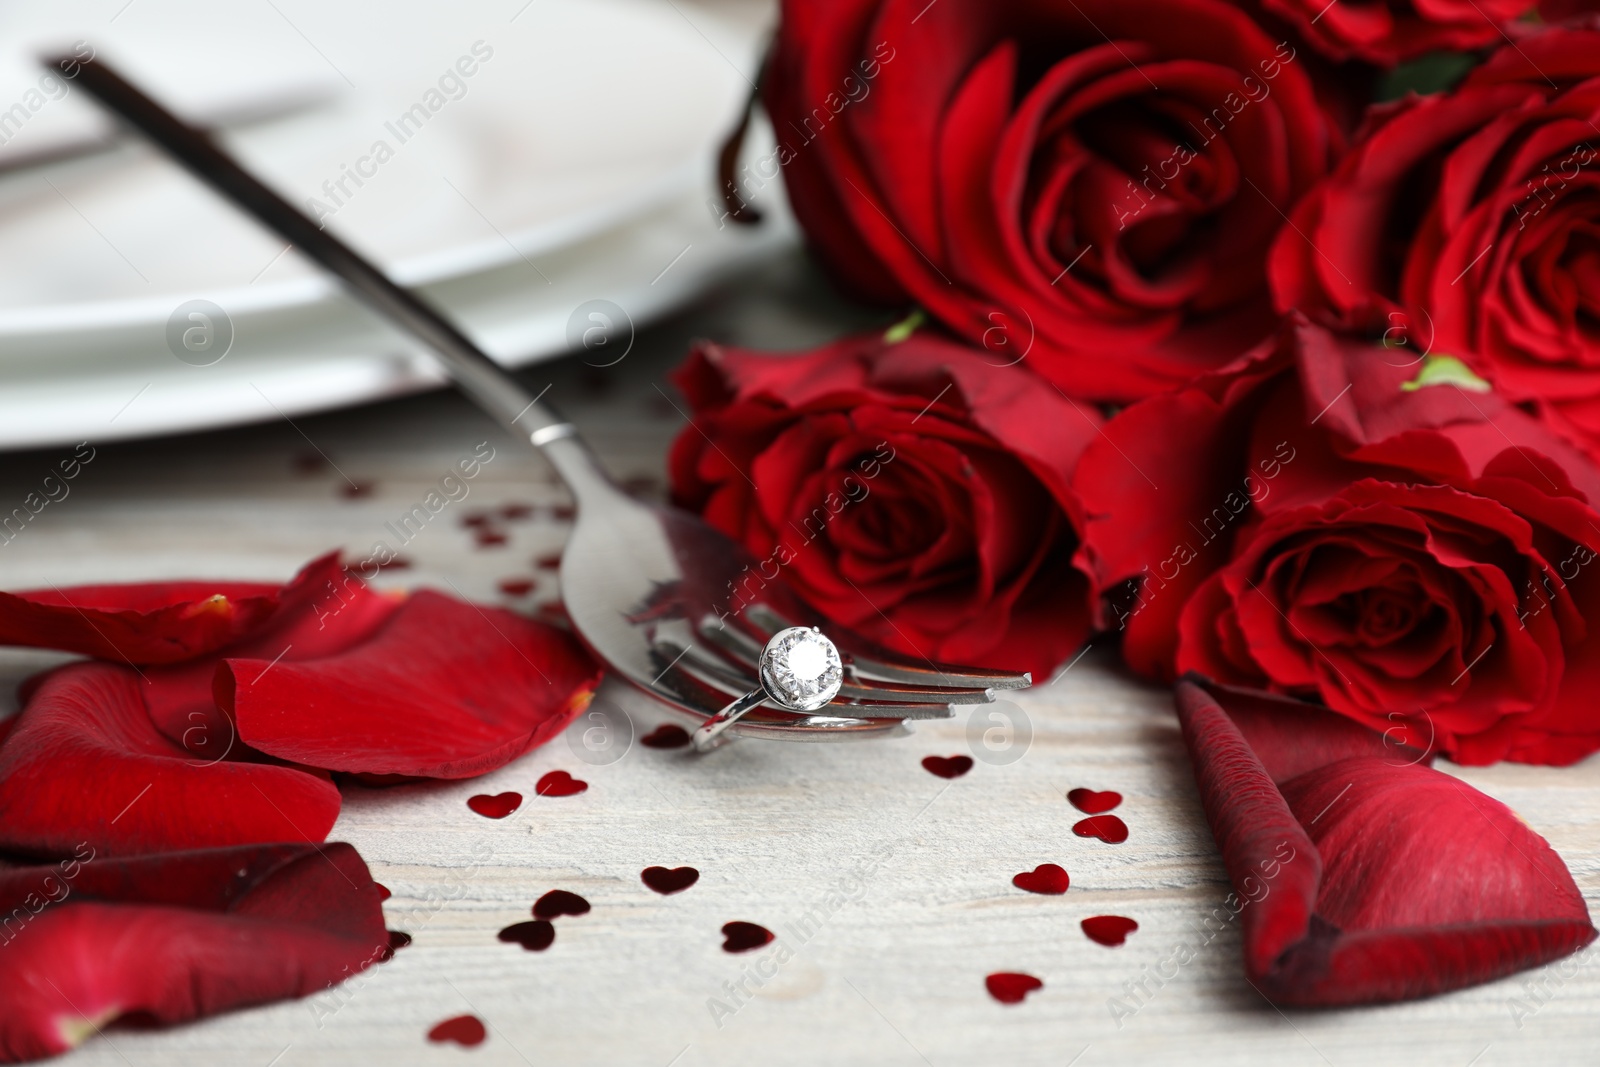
point(665, 880)
point(1109, 930)
point(535, 936)
point(559, 902)
point(667, 735)
point(560, 784)
point(518, 586)
point(465, 1030)
point(549, 561)
point(743, 936)
point(490, 538)
point(497, 806)
point(1108, 828)
point(357, 490)
point(516, 512)
point(947, 766)
point(1092, 803)
point(1010, 988)
point(1047, 878)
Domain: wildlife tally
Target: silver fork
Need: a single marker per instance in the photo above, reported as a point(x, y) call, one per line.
point(661, 598)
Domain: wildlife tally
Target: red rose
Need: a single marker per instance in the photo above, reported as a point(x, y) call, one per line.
point(1468, 224)
point(1091, 184)
point(1421, 559)
point(914, 492)
point(1388, 31)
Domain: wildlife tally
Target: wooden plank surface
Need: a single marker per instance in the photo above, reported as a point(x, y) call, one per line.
point(906, 877)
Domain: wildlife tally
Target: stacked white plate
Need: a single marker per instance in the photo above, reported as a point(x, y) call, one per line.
point(518, 161)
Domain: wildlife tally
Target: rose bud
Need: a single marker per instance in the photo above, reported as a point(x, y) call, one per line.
point(914, 492)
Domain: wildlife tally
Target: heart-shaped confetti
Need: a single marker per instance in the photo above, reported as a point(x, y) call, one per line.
point(667, 735)
point(518, 586)
point(1107, 828)
point(1010, 988)
point(465, 1030)
point(495, 806)
point(535, 936)
point(1047, 878)
point(947, 766)
point(559, 902)
point(743, 936)
point(1109, 930)
point(560, 784)
point(1092, 803)
point(670, 880)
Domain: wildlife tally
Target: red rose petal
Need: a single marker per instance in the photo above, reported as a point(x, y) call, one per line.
point(464, 1030)
point(156, 622)
point(444, 690)
point(743, 936)
point(1366, 878)
point(535, 936)
point(667, 735)
point(668, 880)
point(1109, 930)
point(560, 784)
point(1010, 987)
point(947, 766)
point(1047, 878)
point(383, 891)
point(559, 902)
point(176, 936)
point(495, 806)
point(1108, 828)
point(324, 610)
point(85, 764)
point(1092, 803)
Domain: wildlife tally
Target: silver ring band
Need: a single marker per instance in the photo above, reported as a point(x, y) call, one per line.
point(554, 432)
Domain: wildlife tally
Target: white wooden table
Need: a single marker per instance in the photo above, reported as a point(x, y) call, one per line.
point(914, 871)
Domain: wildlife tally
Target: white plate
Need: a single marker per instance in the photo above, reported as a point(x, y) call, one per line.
point(572, 164)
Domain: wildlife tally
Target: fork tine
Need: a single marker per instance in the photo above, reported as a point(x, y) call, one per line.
point(871, 662)
point(745, 650)
point(710, 671)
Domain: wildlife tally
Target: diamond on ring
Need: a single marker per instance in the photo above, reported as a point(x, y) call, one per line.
point(801, 669)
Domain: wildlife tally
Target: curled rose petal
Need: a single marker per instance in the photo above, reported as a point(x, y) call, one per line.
point(154, 622)
point(1367, 876)
point(444, 689)
point(85, 764)
point(176, 936)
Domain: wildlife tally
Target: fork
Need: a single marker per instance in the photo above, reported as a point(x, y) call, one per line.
point(660, 597)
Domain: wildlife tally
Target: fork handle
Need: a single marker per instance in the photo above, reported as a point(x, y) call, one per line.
point(484, 381)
